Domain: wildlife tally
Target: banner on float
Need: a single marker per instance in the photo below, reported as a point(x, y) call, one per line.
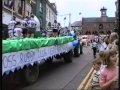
point(17, 60)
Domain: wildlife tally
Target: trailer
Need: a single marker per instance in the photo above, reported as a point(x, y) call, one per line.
point(25, 55)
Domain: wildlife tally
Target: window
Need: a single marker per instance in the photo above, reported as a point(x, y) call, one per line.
point(103, 13)
point(28, 13)
point(40, 22)
point(100, 26)
point(9, 3)
point(49, 14)
point(40, 7)
point(20, 7)
point(28, 9)
point(6, 3)
point(49, 24)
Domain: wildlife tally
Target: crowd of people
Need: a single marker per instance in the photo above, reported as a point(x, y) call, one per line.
point(20, 29)
point(106, 64)
point(27, 28)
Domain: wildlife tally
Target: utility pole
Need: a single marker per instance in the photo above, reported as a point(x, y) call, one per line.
point(69, 14)
point(69, 21)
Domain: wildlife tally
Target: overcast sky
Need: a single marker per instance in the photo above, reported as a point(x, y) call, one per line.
point(88, 8)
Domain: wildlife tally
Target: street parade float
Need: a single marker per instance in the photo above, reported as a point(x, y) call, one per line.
point(25, 55)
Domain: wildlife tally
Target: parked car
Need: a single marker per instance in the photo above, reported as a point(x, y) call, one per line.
point(84, 40)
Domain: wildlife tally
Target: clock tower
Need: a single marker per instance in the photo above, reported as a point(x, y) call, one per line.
point(103, 13)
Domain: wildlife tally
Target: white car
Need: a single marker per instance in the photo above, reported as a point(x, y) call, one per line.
point(84, 39)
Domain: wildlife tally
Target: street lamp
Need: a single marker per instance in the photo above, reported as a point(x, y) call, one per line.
point(80, 22)
point(80, 15)
point(65, 19)
point(69, 21)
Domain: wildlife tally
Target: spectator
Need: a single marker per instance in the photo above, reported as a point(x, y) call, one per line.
point(31, 26)
point(32, 22)
point(18, 30)
point(24, 24)
point(44, 33)
point(11, 27)
point(112, 40)
point(117, 43)
point(55, 32)
point(95, 80)
point(102, 57)
point(94, 47)
point(104, 44)
point(109, 75)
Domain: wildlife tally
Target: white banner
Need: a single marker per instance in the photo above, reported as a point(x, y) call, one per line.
point(11, 61)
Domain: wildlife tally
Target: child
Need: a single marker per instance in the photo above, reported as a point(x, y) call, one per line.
point(95, 79)
point(94, 47)
point(102, 57)
point(109, 75)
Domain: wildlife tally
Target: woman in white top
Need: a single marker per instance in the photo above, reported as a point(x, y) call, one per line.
point(112, 41)
point(104, 45)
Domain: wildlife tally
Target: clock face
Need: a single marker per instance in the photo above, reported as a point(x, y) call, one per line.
point(103, 12)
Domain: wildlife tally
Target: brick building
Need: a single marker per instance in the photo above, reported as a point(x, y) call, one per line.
point(98, 25)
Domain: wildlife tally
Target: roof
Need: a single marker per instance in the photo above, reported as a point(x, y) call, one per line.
point(76, 24)
point(51, 6)
point(103, 8)
point(96, 19)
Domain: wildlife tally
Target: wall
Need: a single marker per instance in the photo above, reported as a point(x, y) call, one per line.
point(7, 17)
point(50, 15)
point(27, 9)
point(94, 26)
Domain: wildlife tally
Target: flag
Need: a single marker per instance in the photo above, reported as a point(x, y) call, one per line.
point(64, 18)
point(80, 13)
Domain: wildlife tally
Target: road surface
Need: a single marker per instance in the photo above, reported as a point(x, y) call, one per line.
point(59, 75)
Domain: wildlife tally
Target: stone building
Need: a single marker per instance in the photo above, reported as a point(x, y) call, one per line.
point(98, 25)
point(77, 26)
point(17, 8)
point(51, 14)
point(46, 12)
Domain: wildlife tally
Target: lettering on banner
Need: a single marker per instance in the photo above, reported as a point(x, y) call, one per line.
point(48, 52)
point(42, 53)
point(52, 50)
point(39, 54)
point(59, 49)
point(27, 56)
point(65, 48)
point(13, 60)
point(55, 50)
point(9, 61)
